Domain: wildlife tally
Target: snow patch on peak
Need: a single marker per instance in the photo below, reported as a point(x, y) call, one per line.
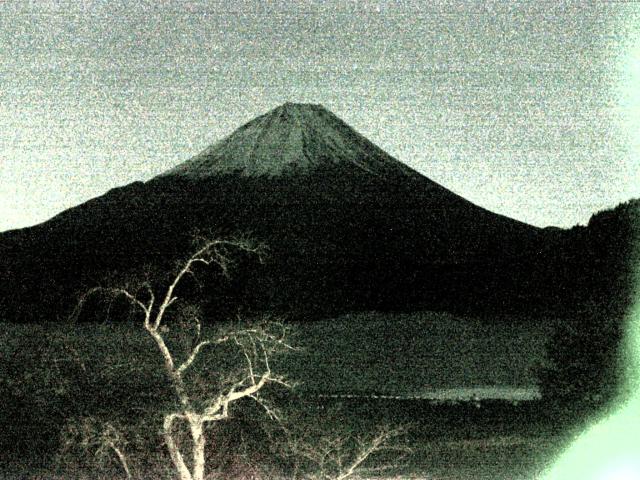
point(291, 138)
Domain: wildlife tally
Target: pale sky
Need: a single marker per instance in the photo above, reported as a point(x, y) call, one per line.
point(529, 109)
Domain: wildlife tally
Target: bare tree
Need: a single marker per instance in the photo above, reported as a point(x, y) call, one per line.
point(256, 343)
point(164, 313)
point(103, 439)
point(342, 457)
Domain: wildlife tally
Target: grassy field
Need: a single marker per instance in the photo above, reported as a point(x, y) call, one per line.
point(52, 375)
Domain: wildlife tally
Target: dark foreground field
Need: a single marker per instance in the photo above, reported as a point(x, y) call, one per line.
point(457, 443)
point(55, 377)
point(496, 441)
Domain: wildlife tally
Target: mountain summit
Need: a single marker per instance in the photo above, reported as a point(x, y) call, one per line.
point(293, 138)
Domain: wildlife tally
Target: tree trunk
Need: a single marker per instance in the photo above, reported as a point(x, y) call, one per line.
point(198, 438)
point(174, 451)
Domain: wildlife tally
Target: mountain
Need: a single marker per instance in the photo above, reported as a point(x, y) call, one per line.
point(348, 228)
point(293, 139)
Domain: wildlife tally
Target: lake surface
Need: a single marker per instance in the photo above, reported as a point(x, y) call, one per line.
point(419, 355)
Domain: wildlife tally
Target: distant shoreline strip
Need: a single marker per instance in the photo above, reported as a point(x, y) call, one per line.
point(512, 394)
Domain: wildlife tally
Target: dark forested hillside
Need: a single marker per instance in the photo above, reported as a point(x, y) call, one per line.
point(598, 265)
point(334, 243)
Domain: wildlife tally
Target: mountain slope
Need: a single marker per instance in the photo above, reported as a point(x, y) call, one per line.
point(348, 228)
point(291, 139)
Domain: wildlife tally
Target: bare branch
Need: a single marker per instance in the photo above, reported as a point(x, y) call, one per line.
point(207, 254)
point(334, 458)
point(164, 350)
point(145, 308)
point(363, 454)
point(250, 390)
point(236, 392)
point(194, 353)
point(115, 292)
point(249, 362)
point(271, 412)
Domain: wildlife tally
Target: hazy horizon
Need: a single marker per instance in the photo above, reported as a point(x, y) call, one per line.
point(528, 109)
